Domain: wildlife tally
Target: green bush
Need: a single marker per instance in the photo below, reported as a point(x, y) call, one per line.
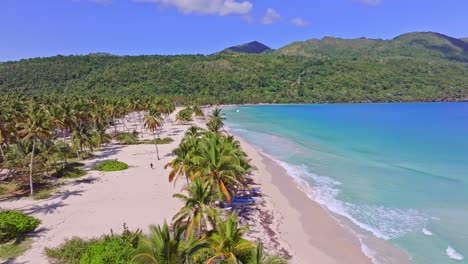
point(107, 249)
point(2, 190)
point(126, 138)
point(111, 165)
point(14, 223)
point(14, 248)
point(43, 194)
point(159, 141)
point(70, 171)
point(69, 252)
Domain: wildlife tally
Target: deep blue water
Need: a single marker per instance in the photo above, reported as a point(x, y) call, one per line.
point(399, 171)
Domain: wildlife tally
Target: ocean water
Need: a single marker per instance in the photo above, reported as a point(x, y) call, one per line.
point(399, 172)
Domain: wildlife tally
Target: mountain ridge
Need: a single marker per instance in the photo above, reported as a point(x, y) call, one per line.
point(253, 47)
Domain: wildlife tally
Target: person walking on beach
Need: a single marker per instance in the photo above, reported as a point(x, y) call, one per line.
point(151, 165)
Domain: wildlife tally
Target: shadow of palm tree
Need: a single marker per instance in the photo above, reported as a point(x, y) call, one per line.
point(45, 208)
point(89, 180)
point(67, 194)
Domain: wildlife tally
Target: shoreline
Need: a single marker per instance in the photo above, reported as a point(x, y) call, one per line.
point(305, 229)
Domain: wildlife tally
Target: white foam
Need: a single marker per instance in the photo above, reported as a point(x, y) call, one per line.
point(383, 222)
point(453, 254)
point(427, 232)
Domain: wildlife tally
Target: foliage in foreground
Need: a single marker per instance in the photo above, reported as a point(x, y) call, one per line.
point(70, 171)
point(13, 224)
point(112, 248)
point(13, 249)
point(111, 165)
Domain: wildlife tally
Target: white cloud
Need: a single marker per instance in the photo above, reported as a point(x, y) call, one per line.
point(298, 22)
point(207, 7)
point(370, 2)
point(271, 16)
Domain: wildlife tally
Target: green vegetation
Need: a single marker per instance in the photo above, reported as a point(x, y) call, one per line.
point(45, 193)
point(112, 248)
point(3, 190)
point(14, 224)
point(14, 249)
point(70, 171)
point(159, 141)
point(422, 45)
point(214, 167)
point(39, 136)
point(111, 165)
point(407, 72)
point(127, 138)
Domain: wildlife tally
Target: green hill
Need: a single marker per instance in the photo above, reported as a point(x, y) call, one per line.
point(423, 45)
point(240, 78)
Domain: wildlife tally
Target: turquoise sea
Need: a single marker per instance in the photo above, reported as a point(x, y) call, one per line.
point(398, 171)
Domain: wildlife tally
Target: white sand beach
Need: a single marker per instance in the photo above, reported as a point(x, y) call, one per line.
point(284, 218)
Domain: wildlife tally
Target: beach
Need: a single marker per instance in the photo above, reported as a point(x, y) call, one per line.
point(283, 217)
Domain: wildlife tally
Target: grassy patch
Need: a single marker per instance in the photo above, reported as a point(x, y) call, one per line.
point(159, 141)
point(43, 194)
point(111, 165)
point(70, 171)
point(7, 188)
point(14, 249)
point(126, 138)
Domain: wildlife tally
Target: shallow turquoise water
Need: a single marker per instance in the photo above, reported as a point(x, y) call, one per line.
point(399, 171)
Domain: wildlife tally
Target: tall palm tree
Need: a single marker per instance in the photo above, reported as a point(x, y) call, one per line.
point(215, 121)
point(227, 241)
point(165, 247)
point(153, 121)
point(35, 127)
point(217, 160)
point(82, 138)
point(198, 210)
point(182, 164)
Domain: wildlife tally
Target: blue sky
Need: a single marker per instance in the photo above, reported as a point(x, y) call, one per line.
point(39, 28)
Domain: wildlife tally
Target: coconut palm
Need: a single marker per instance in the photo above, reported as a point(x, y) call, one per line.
point(198, 112)
point(35, 127)
point(153, 121)
point(182, 164)
point(217, 160)
point(258, 255)
point(165, 247)
point(81, 139)
point(227, 242)
point(198, 210)
point(99, 136)
point(215, 121)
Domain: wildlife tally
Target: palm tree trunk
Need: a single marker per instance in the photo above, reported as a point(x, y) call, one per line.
point(3, 154)
point(31, 187)
point(155, 144)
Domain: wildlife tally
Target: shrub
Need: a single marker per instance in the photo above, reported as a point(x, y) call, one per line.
point(111, 165)
point(107, 249)
point(126, 138)
point(3, 190)
point(43, 194)
point(69, 252)
point(14, 223)
point(158, 141)
point(70, 171)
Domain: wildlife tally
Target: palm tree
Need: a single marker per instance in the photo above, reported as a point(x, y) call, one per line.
point(196, 110)
point(184, 115)
point(35, 127)
point(215, 121)
point(227, 241)
point(259, 256)
point(198, 209)
point(152, 122)
point(165, 247)
point(182, 164)
point(99, 135)
point(217, 160)
point(82, 138)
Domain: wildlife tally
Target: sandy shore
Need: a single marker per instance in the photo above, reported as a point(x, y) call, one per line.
point(284, 218)
point(296, 224)
point(93, 205)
